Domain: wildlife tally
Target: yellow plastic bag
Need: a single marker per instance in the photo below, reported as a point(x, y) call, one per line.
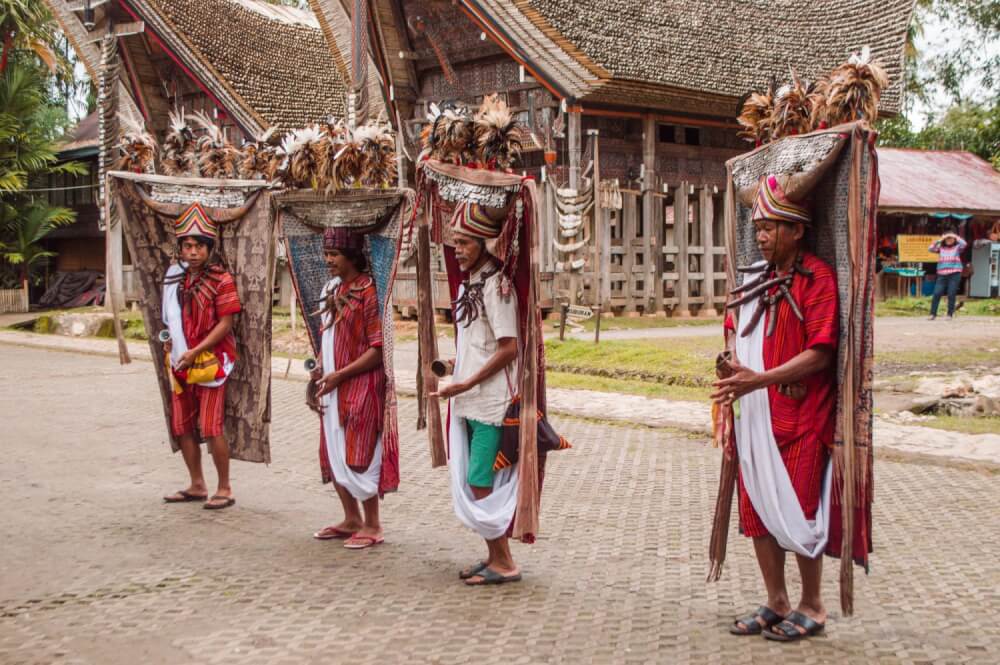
point(205, 368)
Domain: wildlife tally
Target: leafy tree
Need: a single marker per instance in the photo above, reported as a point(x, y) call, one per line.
point(27, 25)
point(26, 150)
point(26, 227)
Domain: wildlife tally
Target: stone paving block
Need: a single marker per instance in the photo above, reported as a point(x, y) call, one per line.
point(96, 569)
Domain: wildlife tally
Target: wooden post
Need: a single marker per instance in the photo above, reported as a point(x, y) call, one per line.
point(707, 210)
point(629, 212)
point(681, 232)
point(575, 148)
point(563, 313)
point(597, 325)
point(428, 343)
point(604, 258)
point(652, 255)
point(598, 269)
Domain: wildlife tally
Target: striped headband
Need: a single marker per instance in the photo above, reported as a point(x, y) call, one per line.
point(195, 222)
point(471, 219)
point(772, 204)
point(342, 237)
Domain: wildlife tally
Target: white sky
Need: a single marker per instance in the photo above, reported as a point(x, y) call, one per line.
point(938, 35)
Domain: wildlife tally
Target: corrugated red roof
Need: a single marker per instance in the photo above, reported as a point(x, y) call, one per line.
point(937, 181)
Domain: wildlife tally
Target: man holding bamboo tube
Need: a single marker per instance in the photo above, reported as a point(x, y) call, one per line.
point(481, 392)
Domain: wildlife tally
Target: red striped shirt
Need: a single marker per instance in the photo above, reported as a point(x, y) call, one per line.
point(204, 309)
point(812, 416)
point(361, 398)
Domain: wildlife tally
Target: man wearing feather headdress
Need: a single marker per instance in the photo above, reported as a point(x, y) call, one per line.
point(482, 389)
point(350, 386)
point(782, 382)
point(199, 303)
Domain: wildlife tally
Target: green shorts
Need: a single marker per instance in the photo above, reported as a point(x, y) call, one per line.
point(484, 444)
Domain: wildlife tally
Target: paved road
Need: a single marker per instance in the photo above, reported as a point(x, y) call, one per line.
point(95, 569)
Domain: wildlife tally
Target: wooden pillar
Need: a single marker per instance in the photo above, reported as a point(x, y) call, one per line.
point(707, 210)
point(652, 244)
point(598, 268)
point(575, 148)
point(108, 98)
point(629, 211)
point(681, 233)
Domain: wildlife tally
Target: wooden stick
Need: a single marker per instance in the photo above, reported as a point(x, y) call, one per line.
point(112, 287)
point(427, 340)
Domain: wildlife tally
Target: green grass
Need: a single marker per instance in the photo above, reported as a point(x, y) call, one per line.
point(683, 361)
point(965, 425)
point(939, 359)
point(632, 323)
point(922, 307)
point(625, 386)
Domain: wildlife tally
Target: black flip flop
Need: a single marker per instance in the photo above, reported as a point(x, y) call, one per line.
point(753, 627)
point(472, 570)
point(788, 630)
point(185, 497)
point(491, 576)
point(219, 506)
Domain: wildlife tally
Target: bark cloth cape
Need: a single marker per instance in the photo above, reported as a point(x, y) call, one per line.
point(845, 201)
point(377, 214)
point(441, 186)
point(148, 205)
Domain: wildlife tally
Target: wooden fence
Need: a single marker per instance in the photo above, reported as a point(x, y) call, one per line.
point(13, 301)
point(671, 263)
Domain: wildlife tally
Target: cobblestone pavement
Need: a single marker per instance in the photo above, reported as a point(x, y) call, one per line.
point(95, 569)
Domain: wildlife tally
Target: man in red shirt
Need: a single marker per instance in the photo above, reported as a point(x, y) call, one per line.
point(783, 385)
point(199, 303)
point(351, 389)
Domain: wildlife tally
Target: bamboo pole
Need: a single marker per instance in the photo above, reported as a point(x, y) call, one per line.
point(427, 341)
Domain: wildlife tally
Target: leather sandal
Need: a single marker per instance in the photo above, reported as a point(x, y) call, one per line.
point(788, 630)
point(751, 626)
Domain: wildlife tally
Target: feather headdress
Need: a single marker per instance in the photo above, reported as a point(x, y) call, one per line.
point(337, 135)
point(854, 90)
point(377, 145)
point(449, 134)
point(792, 111)
point(217, 157)
point(137, 147)
point(177, 152)
point(497, 142)
point(260, 157)
point(303, 155)
point(756, 110)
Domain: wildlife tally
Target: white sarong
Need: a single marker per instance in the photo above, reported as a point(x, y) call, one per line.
point(364, 485)
point(764, 474)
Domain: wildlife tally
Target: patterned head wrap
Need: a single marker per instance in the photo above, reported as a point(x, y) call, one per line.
point(772, 204)
point(342, 237)
point(195, 222)
point(471, 219)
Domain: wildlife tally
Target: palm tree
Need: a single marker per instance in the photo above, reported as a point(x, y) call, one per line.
point(27, 25)
point(26, 150)
point(26, 227)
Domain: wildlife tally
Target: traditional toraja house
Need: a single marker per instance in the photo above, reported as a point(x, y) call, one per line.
point(248, 64)
point(637, 97)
